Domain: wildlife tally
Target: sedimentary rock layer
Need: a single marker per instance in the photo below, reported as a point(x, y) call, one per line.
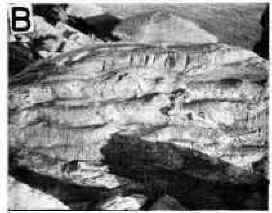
point(197, 111)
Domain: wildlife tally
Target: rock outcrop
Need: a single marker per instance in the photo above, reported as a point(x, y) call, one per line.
point(166, 119)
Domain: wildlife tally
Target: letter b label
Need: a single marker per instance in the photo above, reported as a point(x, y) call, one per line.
point(21, 19)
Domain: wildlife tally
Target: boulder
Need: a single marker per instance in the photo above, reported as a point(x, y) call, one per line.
point(148, 113)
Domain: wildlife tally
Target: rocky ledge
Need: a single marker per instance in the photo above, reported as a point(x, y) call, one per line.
point(130, 126)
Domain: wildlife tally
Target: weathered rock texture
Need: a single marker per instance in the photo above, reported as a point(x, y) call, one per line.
point(163, 115)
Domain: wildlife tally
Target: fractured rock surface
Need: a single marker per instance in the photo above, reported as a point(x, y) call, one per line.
point(128, 109)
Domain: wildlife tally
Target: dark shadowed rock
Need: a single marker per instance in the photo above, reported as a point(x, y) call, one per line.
point(262, 47)
point(101, 26)
point(53, 13)
point(19, 57)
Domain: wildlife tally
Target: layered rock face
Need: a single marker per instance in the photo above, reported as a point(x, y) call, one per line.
point(176, 118)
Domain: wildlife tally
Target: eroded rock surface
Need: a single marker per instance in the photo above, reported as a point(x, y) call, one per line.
point(150, 114)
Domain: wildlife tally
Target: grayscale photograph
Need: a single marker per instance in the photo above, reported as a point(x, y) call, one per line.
point(138, 106)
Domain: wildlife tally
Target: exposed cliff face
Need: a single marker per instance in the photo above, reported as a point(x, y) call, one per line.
point(198, 111)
